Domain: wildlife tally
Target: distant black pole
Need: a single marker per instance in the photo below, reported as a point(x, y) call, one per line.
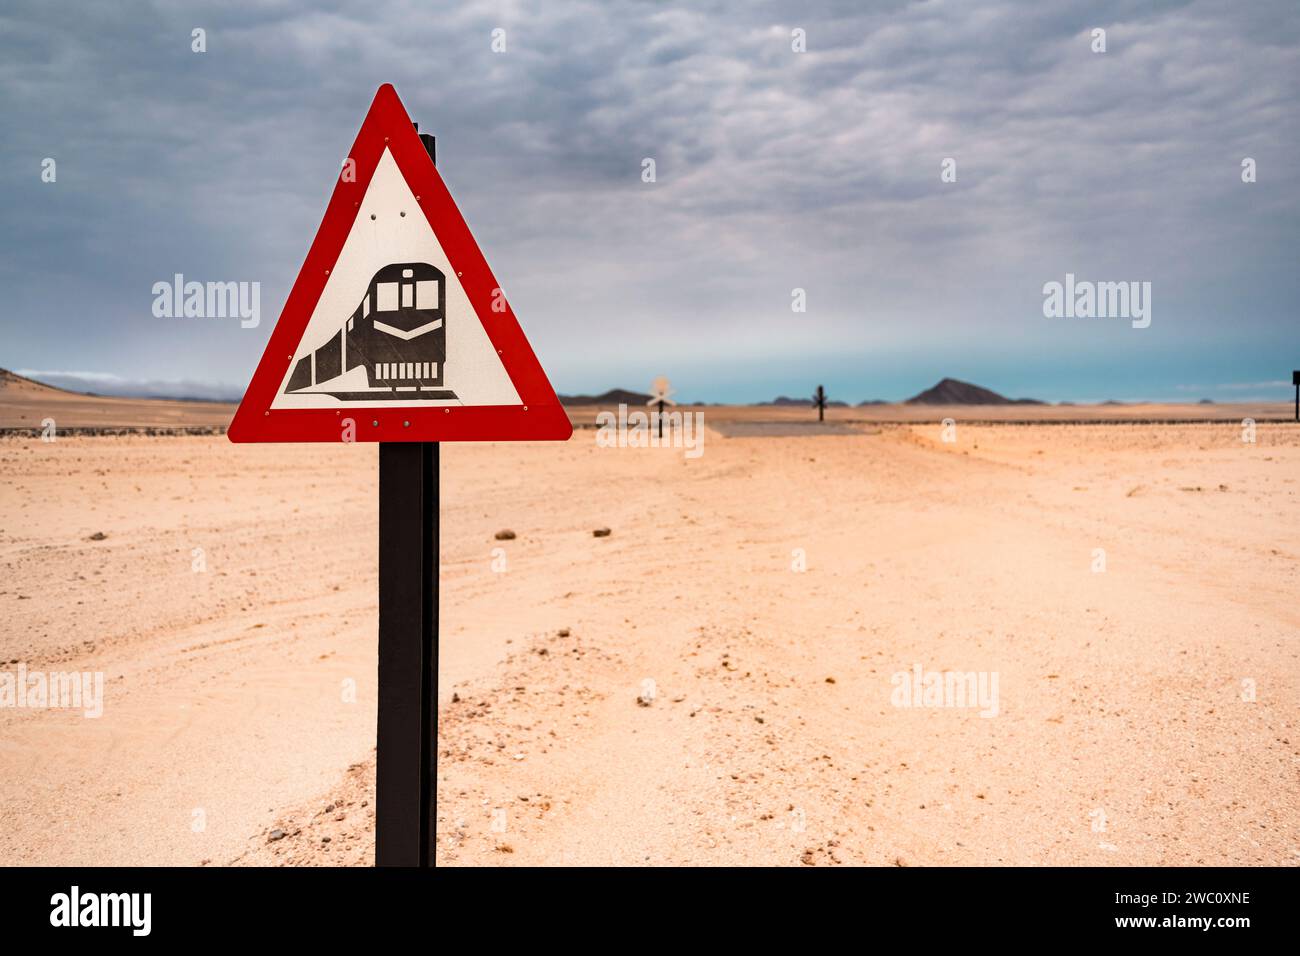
point(1295, 380)
point(661, 418)
point(406, 760)
point(820, 401)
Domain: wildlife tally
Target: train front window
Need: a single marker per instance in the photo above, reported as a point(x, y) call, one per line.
point(386, 297)
point(426, 294)
point(408, 296)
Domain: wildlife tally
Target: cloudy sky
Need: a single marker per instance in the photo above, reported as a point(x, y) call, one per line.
point(776, 170)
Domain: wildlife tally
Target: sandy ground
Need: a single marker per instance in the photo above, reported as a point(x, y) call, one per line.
point(230, 605)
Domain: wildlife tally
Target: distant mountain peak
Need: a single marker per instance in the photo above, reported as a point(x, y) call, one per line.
point(951, 391)
point(615, 396)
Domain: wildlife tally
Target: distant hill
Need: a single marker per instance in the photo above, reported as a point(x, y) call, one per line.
point(952, 392)
point(29, 404)
point(802, 402)
point(10, 379)
point(615, 396)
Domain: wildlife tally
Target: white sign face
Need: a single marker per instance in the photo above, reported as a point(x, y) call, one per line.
point(393, 327)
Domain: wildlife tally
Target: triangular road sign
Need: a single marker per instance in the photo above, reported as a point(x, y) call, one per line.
point(396, 329)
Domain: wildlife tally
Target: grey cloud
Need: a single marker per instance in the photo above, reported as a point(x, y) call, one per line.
point(776, 170)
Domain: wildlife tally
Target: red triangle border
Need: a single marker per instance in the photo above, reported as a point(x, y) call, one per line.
point(539, 417)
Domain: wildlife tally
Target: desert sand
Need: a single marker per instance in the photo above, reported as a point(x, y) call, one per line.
point(676, 692)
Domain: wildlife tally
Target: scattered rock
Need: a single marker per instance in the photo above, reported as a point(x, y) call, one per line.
point(643, 701)
point(830, 680)
point(325, 839)
point(807, 858)
point(505, 535)
point(275, 835)
point(455, 698)
point(601, 533)
point(563, 632)
point(100, 536)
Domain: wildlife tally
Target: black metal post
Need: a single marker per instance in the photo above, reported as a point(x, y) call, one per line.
point(407, 732)
point(408, 652)
point(661, 419)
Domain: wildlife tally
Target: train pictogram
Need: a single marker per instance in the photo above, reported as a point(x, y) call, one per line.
point(397, 337)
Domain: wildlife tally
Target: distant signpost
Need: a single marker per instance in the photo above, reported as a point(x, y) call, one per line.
point(819, 402)
point(1295, 380)
point(661, 390)
point(396, 332)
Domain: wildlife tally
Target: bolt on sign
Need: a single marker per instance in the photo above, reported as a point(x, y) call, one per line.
point(396, 320)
